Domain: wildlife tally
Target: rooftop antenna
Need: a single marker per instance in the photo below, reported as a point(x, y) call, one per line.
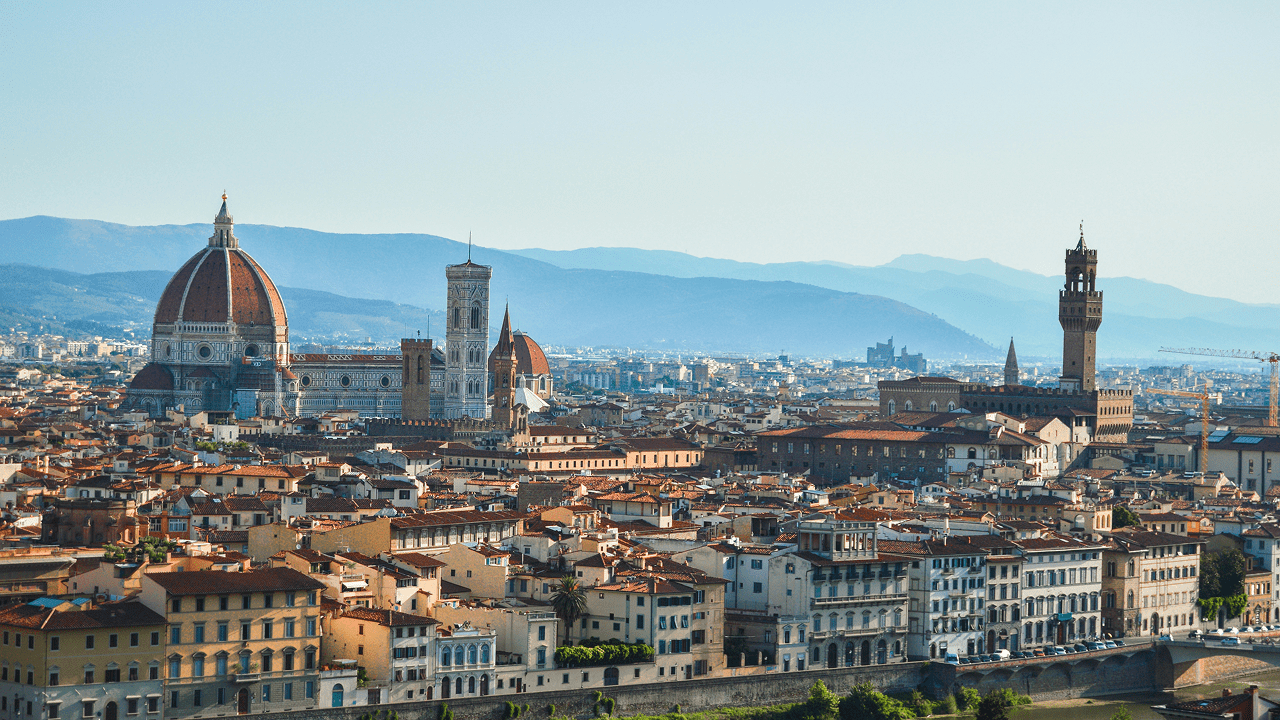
point(469, 242)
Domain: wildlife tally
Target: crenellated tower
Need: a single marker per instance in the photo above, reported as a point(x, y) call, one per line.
point(1080, 313)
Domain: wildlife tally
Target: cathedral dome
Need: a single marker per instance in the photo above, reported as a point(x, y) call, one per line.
point(221, 284)
point(530, 360)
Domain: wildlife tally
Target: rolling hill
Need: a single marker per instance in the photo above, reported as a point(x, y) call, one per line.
point(323, 274)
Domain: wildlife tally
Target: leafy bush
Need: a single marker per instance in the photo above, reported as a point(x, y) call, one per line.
point(551, 710)
point(445, 712)
point(606, 654)
point(967, 698)
point(947, 706)
point(864, 703)
point(609, 705)
point(821, 705)
point(511, 711)
point(922, 706)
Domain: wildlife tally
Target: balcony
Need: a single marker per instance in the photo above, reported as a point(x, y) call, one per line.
point(246, 677)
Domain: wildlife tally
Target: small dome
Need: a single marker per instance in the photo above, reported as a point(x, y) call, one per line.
point(530, 360)
point(152, 377)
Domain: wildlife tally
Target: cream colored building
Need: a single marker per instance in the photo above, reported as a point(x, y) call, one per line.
point(70, 659)
point(238, 642)
point(397, 651)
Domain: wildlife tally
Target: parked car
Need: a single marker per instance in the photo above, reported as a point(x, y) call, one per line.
point(1230, 641)
point(1166, 638)
point(1055, 650)
point(1194, 635)
point(1233, 631)
point(1095, 645)
point(1111, 644)
point(1217, 632)
point(1001, 655)
point(1080, 647)
point(1038, 652)
point(966, 661)
point(951, 658)
point(1118, 642)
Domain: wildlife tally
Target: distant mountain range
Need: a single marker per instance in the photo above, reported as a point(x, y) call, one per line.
point(346, 287)
point(321, 275)
point(989, 300)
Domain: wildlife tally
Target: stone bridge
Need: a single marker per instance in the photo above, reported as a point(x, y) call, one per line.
point(1193, 662)
point(1098, 672)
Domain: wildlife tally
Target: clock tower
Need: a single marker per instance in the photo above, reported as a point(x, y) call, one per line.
point(466, 378)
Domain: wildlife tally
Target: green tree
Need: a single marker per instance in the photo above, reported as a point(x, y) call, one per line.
point(1121, 713)
point(992, 707)
point(821, 705)
point(1210, 583)
point(967, 698)
point(570, 602)
point(1122, 516)
point(1231, 569)
point(864, 703)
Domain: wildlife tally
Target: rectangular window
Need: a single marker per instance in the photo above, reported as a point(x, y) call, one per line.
point(54, 708)
point(53, 678)
point(155, 638)
point(222, 632)
point(266, 629)
point(153, 704)
point(199, 633)
point(54, 642)
point(175, 635)
point(173, 698)
point(111, 675)
point(244, 602)
point(309, 690)
point(290, 627)
point(246, 631)
point(88, 708)
point(88, 677)
point(199, 604)
point(88, 642)
point(288, 691)
point(131, 706)
point(197, 698)
point(133, 640)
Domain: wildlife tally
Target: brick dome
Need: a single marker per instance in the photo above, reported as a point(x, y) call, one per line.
point(221, 284)
point(530, 359)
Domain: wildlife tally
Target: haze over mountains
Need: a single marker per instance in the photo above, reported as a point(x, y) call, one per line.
point(555, 305)
point(991, 301)
point(347, 287)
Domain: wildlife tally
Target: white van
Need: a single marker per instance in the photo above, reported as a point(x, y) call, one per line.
point(1002, 654)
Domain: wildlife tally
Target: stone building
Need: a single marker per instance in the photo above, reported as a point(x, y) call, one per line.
point(220, 342)
point(1149, 583)
point(71, 659)
point(1107, 415)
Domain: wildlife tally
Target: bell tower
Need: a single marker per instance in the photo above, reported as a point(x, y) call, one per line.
point(415, 386)
point(1080, 314)
point(466, 379)
point(504, 375)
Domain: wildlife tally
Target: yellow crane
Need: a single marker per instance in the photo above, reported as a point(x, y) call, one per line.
point(1203, 397)
point(1266, 357)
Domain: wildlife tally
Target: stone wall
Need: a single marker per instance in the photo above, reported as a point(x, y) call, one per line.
point(648, 698)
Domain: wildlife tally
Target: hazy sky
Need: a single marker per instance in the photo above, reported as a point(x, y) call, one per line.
point(766, 132)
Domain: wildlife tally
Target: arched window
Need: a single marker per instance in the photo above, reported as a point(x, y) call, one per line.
point(973, 453)
point(445, 656)
point(933, 406)
point(908, 406)
point(484, 654)
point(459, 656)
point(475, 319)
point(892, 405)
point(471, 654)
point(951, 452)
point(457, 317)
point(471, 685)
point(1130, 600)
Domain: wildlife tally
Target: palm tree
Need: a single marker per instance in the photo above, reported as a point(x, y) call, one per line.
point(570, 602)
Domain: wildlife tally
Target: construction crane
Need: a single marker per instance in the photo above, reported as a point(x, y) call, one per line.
point(1266, 357)
point(1203, 397)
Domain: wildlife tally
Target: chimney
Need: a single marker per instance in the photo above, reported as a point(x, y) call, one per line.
point(1226, 692)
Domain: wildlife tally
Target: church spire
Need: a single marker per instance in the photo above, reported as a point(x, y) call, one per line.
point(1080, 246)
point(506, 340)
point(223, 237)
point(1011, 366)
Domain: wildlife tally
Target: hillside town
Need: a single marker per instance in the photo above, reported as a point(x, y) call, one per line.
point(218, 524)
